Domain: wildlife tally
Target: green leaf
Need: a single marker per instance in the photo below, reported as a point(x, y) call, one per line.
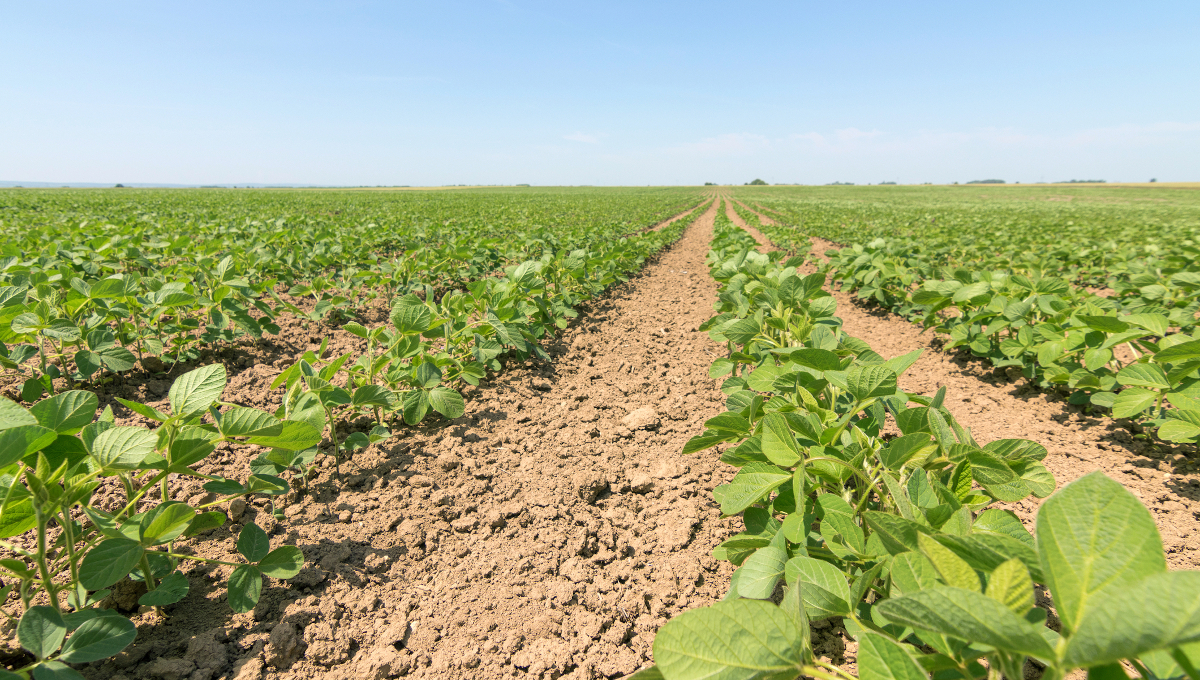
point(289, 435)
point(123, 447)
point(752, 482)
point(1155, 323)
point(968, 615)
point(196, 390)
point(41, 631)
point(410, 315)
point(144, 410)
point(731, 640)
point(824, 588)
point(13, 415)
point(204, 521)
point(447, 402)
point(870, 380)
point(55, 670)
point(899, 535)
point(817, 359)
point(1143, 375)
point(1158, 612)
point(21, 441)
point(245, 586)
point(1010, 585)
point(170, 590)
point(240, 421)
point(99, 638)
point(1095, 540)
point(165, 522)
point(882, 659)
point(66, 412)
point(778, 443)
point(1182, 426)
point(1184, 351)
point(253, 542)
point(953, 570)
point(903, 449)
point(109, 562)
point(1132, 401)
point(761, 571)
point(283, 562)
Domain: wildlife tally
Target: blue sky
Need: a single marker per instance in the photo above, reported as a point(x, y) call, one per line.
point(503, 92)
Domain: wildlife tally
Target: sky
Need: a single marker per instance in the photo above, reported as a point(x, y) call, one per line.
point(612, 93)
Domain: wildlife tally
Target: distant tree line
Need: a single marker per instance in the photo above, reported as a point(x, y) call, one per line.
point(986, 181)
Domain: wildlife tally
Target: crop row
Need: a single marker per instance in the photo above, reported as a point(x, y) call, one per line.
point(1135, 354)
point(91, 283)
point(899, 536)
point(86, 503)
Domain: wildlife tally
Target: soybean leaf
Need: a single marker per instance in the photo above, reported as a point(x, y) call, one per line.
point(1095, 540)
point(55, 670)
point(23, 440)
point(824, 588)
point(752, 482)
point(123, 447)
point(67, 412)
point(99, 638)
point(762, 571)
point(882, 659)
point(13, 415)
point(778, 443)
point(245, 586)
point(1143, 375)
point(41, 631)
point(731, 640)
point(290, 435)
point(204, 521)
point(1011, 585)
point(870, 380)
point(253, 542)
point(952, 568)
point(898, 534)
point(165, 522)
point(969, 615)
point(194, 391)
point(170, 590)
point(283, 562)
point(447, 402)
point(1160, 611)
point(109, 562)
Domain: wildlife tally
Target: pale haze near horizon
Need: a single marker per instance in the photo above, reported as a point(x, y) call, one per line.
point(374, 93)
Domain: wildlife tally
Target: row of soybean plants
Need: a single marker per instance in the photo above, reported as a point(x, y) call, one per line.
point(91, 282)
point(900, 536)
point(64, 550)
point(1009, 285)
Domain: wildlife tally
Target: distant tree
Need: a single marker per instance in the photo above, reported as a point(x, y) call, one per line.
point(883, 183)
point(1153, 179)
point(985, 181)
point(119, 186)
point(840, 184)
point(710, 184)
point(756, 183)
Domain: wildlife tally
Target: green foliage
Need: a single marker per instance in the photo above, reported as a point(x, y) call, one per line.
point(895, 534)
point(57, 453)
point(1011, 284)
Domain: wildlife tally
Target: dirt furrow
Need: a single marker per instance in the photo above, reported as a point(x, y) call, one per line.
point(1000, 404)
